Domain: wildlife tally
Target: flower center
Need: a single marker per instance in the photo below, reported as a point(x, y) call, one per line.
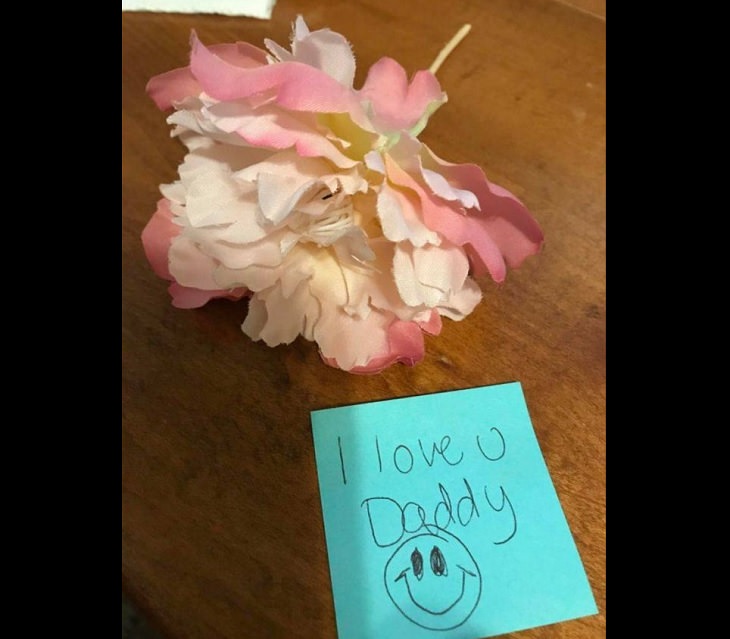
point(332, 227)
point(327, 228)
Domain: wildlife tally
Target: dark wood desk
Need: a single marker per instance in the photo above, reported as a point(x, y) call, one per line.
point(216, 440)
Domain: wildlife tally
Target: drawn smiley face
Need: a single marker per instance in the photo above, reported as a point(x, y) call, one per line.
point(434, 581)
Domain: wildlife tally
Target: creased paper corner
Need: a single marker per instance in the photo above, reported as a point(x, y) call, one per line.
point(251, 8)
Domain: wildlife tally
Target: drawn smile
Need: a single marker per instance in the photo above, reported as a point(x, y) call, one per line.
point(433, 580)
point(464, 572)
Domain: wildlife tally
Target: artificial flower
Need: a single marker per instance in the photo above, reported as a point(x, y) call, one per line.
point(318, 202)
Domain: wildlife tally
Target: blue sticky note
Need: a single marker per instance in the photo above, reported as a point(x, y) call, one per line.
point(441, 519)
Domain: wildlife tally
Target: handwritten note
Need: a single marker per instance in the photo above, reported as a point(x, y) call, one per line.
point(441, 519)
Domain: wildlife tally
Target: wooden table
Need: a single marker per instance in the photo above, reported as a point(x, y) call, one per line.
point(217, 451)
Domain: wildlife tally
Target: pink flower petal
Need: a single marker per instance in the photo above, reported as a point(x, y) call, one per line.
point(397, 105)
point(433, 325)
point(459, 229)
point(503, 216)
point(186, 297)
point(157, 236)
point(168, 88)
point(405, 345)
point(295, 86)
point(240, 54)
point(406, 342)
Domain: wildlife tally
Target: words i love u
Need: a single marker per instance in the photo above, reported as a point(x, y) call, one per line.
point(451, 505)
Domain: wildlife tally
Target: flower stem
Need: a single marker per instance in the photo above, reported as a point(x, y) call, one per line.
point(450, 46)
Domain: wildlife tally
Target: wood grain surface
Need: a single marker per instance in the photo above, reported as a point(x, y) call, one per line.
point(222, 532)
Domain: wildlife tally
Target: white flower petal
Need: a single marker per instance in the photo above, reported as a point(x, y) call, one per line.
point(374, 161)
point(255, 278)
point(270, 126)
point(351, 341)
point(442, 188)
point(301, 29)
point(214, 198)
point(174, 192)
point(278, 53)
point(347, 180)
point(279, 194)
point(462, 302)
point(325, 50)
point(429, 275)
point(256, 318)
point(264, 252)
point(284, 327)
point(399, 217)
point(190, 266)
point(411, 290)
point(442, 267)
point(244, 230)
point(187, 120)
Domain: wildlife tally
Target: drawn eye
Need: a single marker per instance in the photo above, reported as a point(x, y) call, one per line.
point(438, 563)
point(417, 563)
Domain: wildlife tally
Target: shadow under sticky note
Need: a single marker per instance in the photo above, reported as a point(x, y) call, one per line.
point(441, 519)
